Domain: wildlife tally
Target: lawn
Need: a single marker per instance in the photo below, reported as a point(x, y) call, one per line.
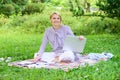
point(23, 46)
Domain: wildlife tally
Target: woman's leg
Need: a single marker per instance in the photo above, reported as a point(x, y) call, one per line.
point(67, 56)
point(47, 56)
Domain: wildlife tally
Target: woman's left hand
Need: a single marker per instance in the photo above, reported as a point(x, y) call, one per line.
point(81, 37)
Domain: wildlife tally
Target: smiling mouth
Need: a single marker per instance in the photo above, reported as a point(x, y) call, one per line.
point(56, 22)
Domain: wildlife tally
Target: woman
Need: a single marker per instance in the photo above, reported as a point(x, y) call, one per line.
point(55, 35)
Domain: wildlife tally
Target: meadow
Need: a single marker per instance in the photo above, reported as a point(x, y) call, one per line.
point(21, 36)
point(23, 46)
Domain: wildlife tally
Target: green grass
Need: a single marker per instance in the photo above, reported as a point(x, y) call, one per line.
point(23, 46)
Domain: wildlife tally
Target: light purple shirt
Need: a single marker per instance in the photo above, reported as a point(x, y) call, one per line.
point(55, 38)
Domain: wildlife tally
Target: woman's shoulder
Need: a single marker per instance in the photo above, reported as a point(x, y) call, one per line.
point(49, 28)
point(66, 27)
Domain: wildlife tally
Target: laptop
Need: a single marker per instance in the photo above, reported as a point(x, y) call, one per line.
point(73, 43)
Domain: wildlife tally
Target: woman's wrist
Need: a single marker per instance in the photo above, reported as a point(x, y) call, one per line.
point(38, 55)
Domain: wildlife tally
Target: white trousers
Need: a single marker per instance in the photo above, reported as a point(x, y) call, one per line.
point(50, 56)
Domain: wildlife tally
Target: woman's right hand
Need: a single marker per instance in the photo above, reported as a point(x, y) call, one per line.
point(37, 57)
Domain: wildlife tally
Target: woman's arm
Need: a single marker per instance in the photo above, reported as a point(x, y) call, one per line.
point(44, 43)
point(69, 31)
point(42, 47)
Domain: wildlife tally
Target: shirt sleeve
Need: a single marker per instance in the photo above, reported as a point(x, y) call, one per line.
point(69, 31)
point(44, 43)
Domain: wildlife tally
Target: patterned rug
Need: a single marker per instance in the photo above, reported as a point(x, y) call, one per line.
point(89, 59)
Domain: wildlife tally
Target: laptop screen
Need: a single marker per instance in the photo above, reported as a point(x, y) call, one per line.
point(73, 43)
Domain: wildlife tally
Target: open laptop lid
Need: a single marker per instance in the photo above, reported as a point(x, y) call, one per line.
point(74, 44)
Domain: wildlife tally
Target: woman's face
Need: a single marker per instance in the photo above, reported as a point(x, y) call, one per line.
point(56, 21)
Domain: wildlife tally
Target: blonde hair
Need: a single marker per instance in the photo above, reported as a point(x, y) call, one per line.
point(56, 14)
